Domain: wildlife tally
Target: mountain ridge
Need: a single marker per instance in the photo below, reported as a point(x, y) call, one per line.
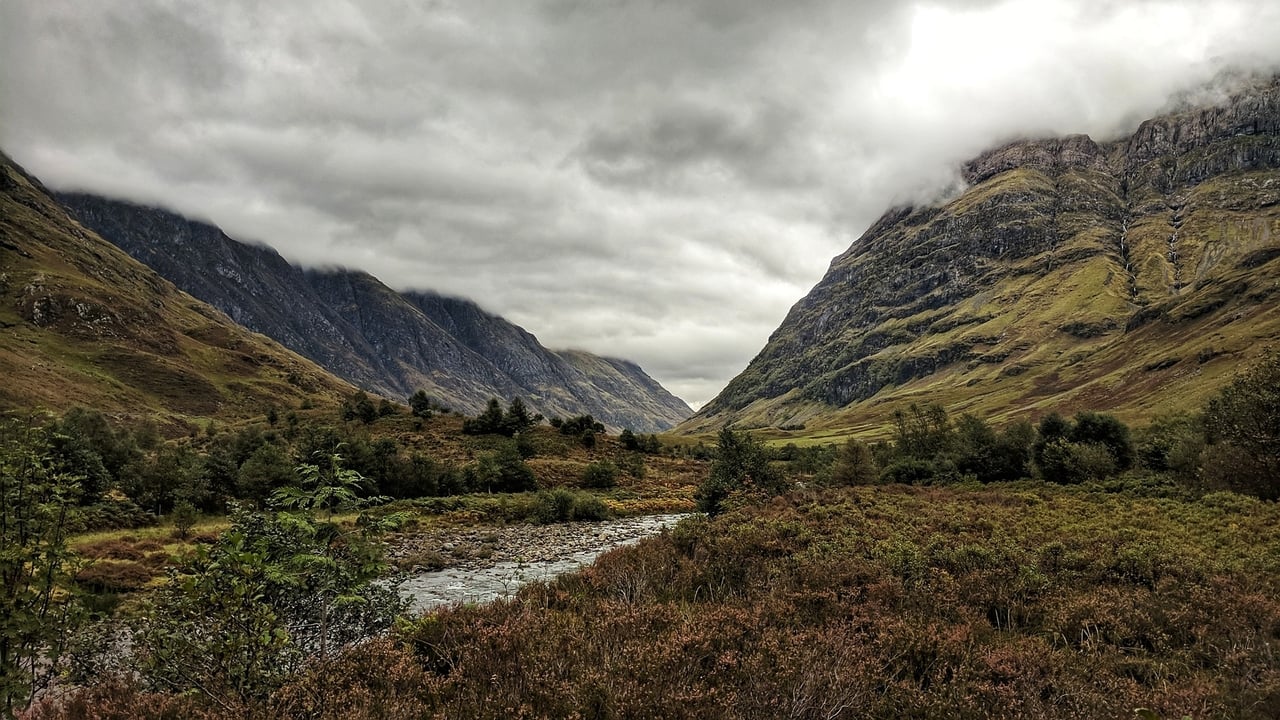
point(392, 343)
point(1070, 274)
point(85, 324)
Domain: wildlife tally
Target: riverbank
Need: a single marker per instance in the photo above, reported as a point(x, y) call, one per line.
point(449, 565)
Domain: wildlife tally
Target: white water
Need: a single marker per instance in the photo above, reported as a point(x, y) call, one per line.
point(450, 586)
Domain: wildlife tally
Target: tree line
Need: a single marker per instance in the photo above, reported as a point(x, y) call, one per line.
point(1231, 443)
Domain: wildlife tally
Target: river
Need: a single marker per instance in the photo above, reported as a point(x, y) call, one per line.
point(484, 564)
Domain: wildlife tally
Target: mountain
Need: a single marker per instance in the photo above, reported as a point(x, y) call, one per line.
point(82, 323)
point(1134, 276)
point(387, 342)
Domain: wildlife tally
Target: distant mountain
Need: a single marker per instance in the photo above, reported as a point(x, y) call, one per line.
point(387, 342)
point(82, 323)
point(1133, 275)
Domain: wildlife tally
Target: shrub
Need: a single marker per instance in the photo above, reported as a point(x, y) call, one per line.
point(912, 471)
point(1070, 463)
point(112, 514)
point(601, 474)
point(589, 507)
point(554, 506)
point(563, 505)
point(114, 576)
point(502, 471)
point(1245, 417)
point(629, 440)
point(633, 465)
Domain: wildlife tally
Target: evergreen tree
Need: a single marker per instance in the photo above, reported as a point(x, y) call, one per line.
point(629, 440)
point(488, 422)
point(420, 405)
point(517, 419)
point(854, 465)
point(741, 465)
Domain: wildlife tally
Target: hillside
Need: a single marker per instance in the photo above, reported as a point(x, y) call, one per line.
point(85, 324)
point(1132, 276)
point(387, 342)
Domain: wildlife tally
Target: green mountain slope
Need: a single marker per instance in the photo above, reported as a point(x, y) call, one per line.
point(1132, 276)
point(82, 323)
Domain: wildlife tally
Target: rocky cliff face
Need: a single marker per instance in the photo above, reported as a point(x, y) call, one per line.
point(85, 324)
point(1132, 275)
point(384, 341)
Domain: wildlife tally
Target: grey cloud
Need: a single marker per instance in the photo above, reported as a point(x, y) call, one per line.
point(650, 179)
point(754, 143)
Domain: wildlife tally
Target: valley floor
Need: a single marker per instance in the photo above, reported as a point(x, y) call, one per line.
point(1019, 600)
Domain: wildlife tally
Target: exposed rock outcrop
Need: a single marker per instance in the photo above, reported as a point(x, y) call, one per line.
point(1065, 270)
point(387, 342)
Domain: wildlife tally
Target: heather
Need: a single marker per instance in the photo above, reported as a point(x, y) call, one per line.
point(1019, 600)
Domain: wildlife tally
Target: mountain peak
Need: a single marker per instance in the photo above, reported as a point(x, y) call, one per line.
point(1126, 275)
point(1051, 156)
point(387, 342)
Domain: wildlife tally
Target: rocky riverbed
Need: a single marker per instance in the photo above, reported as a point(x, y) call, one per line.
point(465, 565)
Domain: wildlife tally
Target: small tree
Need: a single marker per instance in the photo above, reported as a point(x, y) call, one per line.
point(1245, 419)
point(629, 440)
point(1106, 430)
point(37, 608)
point(265, 471)
point(184, 518)
point(420, 405)
point(386, 408)
point(518, 418)
point(741, 465)
point(277, 589)
point(489, 421)
point(579, 425)
point(503, 471)
point(854, 465)
point(922, 431)
point(1092, 447)
point(359, 407)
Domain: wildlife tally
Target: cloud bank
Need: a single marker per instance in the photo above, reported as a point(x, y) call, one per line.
point(648, 179)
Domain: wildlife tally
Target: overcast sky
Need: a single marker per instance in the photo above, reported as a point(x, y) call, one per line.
point(649, 179)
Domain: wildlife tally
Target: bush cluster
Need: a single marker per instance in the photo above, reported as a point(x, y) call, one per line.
point(888, 602)
point(494, 421)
